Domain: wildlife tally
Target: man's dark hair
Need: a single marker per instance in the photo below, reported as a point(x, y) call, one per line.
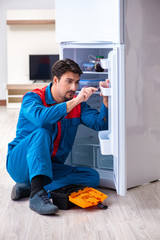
point(62, 66)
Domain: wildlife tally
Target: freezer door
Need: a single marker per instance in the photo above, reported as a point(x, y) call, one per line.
point(89, 21)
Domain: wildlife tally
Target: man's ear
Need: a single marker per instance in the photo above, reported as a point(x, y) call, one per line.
point(55, 80)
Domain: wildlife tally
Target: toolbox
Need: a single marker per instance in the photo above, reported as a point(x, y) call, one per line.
point(77, 195)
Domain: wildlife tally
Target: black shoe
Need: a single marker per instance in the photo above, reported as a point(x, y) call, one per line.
point(20, 190)
point(41, 204)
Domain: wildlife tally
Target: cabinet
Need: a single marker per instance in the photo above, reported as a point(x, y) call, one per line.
point(15, 92)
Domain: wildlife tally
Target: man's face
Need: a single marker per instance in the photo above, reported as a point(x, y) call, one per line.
point(67, 85)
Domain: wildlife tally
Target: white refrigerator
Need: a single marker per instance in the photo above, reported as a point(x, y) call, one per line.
point(126, 33)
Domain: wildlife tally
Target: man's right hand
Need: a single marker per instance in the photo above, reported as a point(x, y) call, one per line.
point(83, 96)
point(85, 93)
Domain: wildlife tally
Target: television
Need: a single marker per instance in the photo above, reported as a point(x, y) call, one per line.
point(40, 66)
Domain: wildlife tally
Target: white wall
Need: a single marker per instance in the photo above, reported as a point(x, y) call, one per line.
point(23, 40)
point(9, 5)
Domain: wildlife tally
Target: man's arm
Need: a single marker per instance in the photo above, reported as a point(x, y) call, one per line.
point(34, 110)
point(93, 118)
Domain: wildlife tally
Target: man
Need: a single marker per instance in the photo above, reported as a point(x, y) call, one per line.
point(46, 128)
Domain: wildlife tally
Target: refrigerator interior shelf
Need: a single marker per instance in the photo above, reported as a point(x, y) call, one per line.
point(89, 83)
point(105, 142)
point(98, 92)
point(93, 72)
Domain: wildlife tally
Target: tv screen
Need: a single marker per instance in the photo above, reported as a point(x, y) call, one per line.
point(40, 66)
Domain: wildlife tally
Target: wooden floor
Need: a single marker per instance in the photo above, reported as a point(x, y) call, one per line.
point(133, 217)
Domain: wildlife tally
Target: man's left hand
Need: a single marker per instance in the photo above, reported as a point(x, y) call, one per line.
point(104, 84)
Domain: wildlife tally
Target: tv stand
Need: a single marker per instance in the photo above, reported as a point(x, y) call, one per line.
point(42, 81)
point(15, 92)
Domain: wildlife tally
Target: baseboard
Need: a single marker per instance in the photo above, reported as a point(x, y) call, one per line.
point(3, 103)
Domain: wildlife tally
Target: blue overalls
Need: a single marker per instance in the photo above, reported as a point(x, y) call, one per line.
point(44, 137)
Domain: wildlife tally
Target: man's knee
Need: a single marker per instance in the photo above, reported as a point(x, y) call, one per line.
point(90, 176)
point(43, 134)
point(95, 178)
point(41, 140)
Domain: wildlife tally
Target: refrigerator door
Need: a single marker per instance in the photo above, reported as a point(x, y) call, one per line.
point(109, 139)
point(113, 140)
point(89, 21)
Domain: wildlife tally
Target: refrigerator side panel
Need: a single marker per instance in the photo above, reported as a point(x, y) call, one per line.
point(142, 36)
point(89, 21)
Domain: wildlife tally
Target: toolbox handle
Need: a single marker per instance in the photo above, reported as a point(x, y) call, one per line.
point(102, 206)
